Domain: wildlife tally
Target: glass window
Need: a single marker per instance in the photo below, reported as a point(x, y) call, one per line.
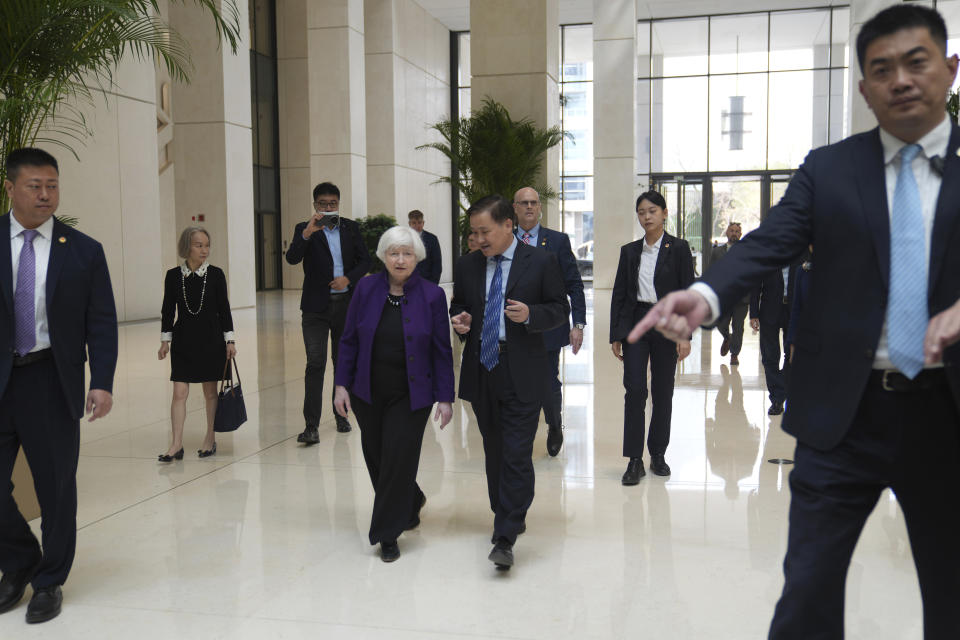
point(464, 102)
point(643, 49)
point(574, 103)
point(577, 53)
point(463, 56)
point(839, 104)
point(679, 47)
point(797, 125)
point(738, 122)
point(678, 125)
point(575, 188)
point(735, 200)
point(643, 126)
point(738, 44)
point(799, 40)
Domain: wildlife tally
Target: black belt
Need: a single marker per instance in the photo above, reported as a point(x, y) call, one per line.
point(337, 295)
point(891, 380)
point(33, 356)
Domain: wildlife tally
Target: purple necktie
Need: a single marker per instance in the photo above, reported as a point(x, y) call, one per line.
point(526, 238)
point(24, 308)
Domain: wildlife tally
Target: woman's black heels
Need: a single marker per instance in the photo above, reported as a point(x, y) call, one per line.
point(165, 458)
point(207, 453)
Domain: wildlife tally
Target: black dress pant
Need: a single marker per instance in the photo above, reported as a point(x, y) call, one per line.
point(508, 426)
point(775, 366)
point(734, 334)
point(391, 435)
point(553, 395)
point(908, 442)
point(34, 414)
point(316, 328)
point(661, 354)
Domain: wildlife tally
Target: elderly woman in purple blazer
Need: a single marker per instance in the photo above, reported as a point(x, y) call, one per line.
point(395, 363)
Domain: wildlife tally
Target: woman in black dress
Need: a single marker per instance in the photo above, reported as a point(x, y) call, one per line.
point(202, 336)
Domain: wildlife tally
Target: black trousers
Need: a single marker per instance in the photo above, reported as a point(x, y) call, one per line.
point(391, 435)
point(661, 354)
point(775, 366)
point(736, 317)
point(553, 394)
point(508, 426)
point(908, 442)
point(316, 328)
point(34, 414)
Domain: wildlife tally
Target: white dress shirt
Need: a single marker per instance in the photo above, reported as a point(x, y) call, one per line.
point(504, 275)
point(167, 336)
point(928, 184)
point(41, 253)
point(646, 292)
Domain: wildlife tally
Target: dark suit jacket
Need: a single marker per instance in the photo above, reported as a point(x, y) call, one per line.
point(318, 262)
point(81, 315)
point(766, 301)
point(536, 281)
point(426, 329)
point(558, 243)
point(431, 267)
point(674, 271)
point(837, 201)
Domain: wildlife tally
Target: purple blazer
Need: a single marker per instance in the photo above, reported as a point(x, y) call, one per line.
point(426, 329)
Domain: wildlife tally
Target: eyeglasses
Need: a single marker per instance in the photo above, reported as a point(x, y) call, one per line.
point(527, 203)
point(326, 204)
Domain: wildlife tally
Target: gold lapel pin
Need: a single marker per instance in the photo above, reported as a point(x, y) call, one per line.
point(666, 246)
point(958, 152)
point(62, 239)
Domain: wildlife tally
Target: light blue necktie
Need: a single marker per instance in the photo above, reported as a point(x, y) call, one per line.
point(907, 316)
point(490, 334)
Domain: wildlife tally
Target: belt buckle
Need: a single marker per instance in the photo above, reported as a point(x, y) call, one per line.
point(883, 381)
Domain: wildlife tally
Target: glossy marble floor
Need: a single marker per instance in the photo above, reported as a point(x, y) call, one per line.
point(268, 539)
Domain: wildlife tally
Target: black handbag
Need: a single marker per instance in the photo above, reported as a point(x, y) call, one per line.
point(231, 411)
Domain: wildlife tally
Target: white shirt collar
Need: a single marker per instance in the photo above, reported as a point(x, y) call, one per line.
point(655, 245)
point(933, 144)
point(201, 271)
point(45, 230)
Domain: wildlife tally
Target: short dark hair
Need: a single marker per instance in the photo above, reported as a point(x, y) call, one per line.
point(416, 214)
point(28, 157)
point(652, 196)
point(325, 189)
point(897, 18)
point(499, 207)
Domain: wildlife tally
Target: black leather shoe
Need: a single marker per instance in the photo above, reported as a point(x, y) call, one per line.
point(13, 584)
point(415, 518)
point(343, 425)
point(659, 466)
point(165, 458)
point(776, 408)
point(45, 604)
point(523, 529)
point(389, 551)
point(554, 440)
point(502, 555)
point(634, 472)
point(725, 346)
point(208, 452)
point(309, 436)
point(734, 361)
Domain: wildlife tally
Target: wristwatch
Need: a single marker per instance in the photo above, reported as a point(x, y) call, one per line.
point(579, 325)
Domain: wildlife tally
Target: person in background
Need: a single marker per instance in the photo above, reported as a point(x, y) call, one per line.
point(395, 363)
point(334, 258)
point(430, 267)
point(732, 335)
point(649, 269)
point(197, 331)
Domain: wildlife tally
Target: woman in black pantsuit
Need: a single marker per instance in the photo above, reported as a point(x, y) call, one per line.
point(202, 336)
point(649, 269)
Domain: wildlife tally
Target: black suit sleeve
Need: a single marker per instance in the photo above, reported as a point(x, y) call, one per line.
point(169, 308)
point(298, 246)
point(436, 260)
point(223, 303)
point(685, 268)
point(572, 281)
point(459, 303)
point(362, 262)
point(619, 294)
point(553, 309)
point(101, 325)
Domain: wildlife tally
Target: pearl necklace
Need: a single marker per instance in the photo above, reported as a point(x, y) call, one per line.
point(203, 291)
point(394, 300)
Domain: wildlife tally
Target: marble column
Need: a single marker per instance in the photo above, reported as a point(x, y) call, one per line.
point(615, 176)
point(515, 57)
point(213, 149)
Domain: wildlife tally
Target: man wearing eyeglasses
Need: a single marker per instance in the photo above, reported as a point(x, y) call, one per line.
point(334, 257)
point(526, 205)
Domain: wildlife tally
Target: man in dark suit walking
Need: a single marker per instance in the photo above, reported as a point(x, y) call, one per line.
point(770, 305)
point(504, 297)
point(431, 267)
point(874, 387)
point(334, 257)
point(56, 312)
point(730, 326)
point(526, 205)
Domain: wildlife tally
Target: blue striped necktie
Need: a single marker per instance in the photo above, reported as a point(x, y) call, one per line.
point(907, 316)
point(490, 334)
